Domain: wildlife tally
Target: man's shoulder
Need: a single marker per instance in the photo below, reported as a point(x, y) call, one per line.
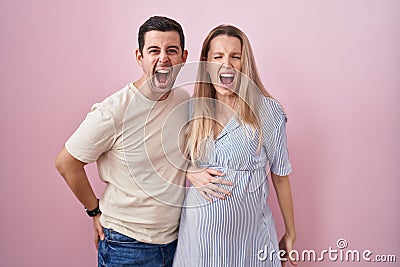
point(181, 94)
point(115, 101)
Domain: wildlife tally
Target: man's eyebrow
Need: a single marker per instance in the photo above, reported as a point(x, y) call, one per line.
point(153, 47)
point(169, 47)
point(173, 46)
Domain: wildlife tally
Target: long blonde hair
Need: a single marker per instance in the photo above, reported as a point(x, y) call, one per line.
point(246, 96)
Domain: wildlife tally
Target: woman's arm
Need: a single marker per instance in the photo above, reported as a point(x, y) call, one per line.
point(285, 200)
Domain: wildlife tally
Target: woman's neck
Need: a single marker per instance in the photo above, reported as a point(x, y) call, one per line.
point(228, 100)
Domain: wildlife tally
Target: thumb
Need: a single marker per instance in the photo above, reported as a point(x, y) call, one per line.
point(214, 172)
point(101, 233)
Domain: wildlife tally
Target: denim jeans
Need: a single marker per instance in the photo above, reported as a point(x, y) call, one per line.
point(119, 250)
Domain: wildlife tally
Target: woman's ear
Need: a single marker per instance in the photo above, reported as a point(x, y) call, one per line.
point(204, 60)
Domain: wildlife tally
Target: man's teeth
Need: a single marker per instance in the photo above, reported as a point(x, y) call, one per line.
point(162, 75)
point(163, 71)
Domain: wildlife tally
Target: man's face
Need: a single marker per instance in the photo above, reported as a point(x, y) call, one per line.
point(161, 51)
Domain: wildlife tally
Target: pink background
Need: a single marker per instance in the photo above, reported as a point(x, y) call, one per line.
point(333, 64)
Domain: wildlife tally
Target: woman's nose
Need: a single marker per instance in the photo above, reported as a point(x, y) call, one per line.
point(227, 62)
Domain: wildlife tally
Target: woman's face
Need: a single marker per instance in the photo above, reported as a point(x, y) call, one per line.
point(224, 64)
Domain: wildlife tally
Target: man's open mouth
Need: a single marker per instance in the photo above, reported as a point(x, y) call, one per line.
point(226, 78)
point(162, 75)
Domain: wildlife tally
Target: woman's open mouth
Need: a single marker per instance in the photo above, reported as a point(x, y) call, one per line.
point(226, 78)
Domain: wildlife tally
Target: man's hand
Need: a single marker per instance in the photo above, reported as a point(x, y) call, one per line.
point(205, 180)
point(98, 230)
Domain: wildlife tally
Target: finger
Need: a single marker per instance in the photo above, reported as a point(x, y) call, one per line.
point(214, 172)
point(292, 259)
point(211, 192)
point(219, 189)
point(222, 181)
point(96, 241)
point(289, 247)
point(205, 196)
point(100, 233)
point(293, 262)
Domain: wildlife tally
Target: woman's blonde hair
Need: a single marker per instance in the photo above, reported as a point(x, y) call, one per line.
point(247, 94)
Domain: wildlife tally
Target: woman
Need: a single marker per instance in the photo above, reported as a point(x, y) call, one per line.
point(237, 129)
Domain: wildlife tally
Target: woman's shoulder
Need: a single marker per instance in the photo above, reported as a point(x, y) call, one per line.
point(272, 108)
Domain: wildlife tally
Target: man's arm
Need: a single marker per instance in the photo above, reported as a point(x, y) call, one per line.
point(74, 174)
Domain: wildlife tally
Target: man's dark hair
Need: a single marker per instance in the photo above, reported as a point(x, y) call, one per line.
point(163, 24)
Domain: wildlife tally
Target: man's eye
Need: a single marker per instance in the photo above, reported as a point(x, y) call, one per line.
point(172, 51)
point(153, 51)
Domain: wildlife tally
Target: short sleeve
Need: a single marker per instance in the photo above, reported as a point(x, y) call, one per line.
point(95, 135)
point(274, 129)
point(280, 163)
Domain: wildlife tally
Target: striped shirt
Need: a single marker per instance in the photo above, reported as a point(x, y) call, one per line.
point(240, 230)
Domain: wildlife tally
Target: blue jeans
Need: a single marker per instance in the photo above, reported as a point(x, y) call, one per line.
point(119, 250)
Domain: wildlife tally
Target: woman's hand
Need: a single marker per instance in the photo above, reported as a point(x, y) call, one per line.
point(286, 244)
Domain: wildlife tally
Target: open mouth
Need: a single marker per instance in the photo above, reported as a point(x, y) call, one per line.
point(163, 75)
point(226, 78)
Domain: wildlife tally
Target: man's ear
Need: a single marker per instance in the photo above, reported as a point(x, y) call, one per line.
point(139, 56)
point(184, 56)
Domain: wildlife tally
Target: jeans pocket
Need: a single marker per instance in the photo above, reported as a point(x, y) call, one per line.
point(118, 238)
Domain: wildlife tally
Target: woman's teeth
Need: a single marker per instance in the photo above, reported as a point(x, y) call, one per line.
point(226, 78)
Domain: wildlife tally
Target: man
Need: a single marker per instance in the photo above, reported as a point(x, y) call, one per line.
point(134, 135)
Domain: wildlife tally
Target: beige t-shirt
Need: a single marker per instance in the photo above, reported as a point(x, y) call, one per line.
point(137, 144)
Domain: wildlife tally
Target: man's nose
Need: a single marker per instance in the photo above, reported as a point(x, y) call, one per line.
point(163, 58)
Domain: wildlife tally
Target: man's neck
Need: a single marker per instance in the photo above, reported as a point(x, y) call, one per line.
point(144, 87)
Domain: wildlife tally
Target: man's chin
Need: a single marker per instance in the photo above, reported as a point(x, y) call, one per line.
point(163, 86)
